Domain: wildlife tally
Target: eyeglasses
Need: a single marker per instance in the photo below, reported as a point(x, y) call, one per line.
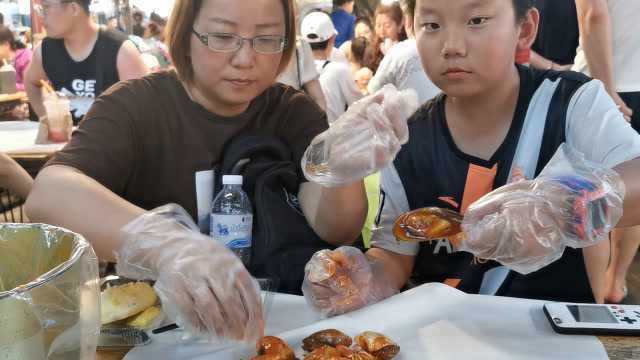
point(43, 9)
point(226, 42)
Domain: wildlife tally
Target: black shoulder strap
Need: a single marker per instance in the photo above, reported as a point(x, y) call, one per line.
point(555, 127)
point(298, 68)
point(250, 147)
point(325, 64)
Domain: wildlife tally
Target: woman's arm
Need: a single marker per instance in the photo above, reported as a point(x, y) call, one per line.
point(14, 177)
point(66, 197)
point(336, 214)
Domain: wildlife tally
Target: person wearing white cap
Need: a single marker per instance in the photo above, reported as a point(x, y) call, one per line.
point(336, 80)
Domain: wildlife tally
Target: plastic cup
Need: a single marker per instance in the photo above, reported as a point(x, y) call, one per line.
point(59, 119)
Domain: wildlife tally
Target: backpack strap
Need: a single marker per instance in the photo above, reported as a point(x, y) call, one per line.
point(300, 84)
point(246, 147)
point(525, 160)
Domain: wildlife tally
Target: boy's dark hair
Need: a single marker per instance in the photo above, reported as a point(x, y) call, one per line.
point(84, 4)
point(319, 45)
point(522, 7)
point(338, 3)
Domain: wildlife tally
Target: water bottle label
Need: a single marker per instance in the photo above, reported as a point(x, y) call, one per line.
point(234, 231)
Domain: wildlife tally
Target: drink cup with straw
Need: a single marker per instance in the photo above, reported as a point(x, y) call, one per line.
point(59, 119)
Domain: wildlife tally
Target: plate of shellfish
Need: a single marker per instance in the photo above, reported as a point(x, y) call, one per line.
point(329, 344)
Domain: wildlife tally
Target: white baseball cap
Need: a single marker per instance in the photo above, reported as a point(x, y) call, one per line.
point(317, 27)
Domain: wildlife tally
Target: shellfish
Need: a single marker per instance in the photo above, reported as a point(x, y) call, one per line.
point(274, 348)
point(427, 224)
point(378, 345)
point(330, 337)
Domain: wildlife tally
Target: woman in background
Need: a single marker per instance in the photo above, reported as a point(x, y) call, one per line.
point(389, 30)
point(16, 53)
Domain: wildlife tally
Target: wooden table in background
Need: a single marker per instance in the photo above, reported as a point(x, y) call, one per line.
point(18, 141)
point(617, 347)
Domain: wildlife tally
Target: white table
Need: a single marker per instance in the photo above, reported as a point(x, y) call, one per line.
point(432, 321)
point(18, 138)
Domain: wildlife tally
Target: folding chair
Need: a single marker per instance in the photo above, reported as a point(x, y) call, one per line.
point(11, 210)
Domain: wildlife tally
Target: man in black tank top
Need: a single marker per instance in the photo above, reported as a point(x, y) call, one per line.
point(78, 58)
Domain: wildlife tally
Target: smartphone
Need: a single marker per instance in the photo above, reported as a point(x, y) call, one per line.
point(594, 319)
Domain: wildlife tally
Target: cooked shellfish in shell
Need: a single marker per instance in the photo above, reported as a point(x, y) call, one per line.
point(273, 348)
point(427, 224)
point(330, 337)
point(377, 345)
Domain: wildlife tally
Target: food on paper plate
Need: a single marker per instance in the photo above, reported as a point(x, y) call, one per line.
point(331, 344)
point(330, 337)
point(273, 348)
point(123, 301)
point(427, 224)
point(377, 345)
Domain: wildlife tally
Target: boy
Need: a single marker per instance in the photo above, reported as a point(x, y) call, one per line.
point(461, 147)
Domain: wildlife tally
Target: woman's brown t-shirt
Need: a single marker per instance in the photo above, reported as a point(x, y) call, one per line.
point(148, 142)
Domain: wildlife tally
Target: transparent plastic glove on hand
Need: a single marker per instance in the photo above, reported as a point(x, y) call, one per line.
point(527, 225)
point(363, 140)
point(203, 286)
point(343, 280)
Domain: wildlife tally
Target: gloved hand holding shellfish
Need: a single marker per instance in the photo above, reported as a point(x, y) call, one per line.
point(526, 225)
point(343, 280)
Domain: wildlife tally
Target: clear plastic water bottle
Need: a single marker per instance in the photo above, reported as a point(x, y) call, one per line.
point(232, 218)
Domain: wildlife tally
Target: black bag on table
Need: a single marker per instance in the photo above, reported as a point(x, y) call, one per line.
point(282, 239)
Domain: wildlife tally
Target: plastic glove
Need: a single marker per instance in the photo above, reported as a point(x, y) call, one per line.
point(343, 280)
point(526, 225)
point(203, 286)
point(363, 140)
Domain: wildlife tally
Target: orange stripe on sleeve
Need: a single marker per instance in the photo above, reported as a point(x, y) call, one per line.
point(452, 282)
point(479, 183)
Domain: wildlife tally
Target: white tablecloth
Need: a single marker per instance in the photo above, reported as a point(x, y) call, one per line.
point(433, 321)
point(19, 137)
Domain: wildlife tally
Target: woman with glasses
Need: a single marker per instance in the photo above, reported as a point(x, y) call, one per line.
point(150, 142)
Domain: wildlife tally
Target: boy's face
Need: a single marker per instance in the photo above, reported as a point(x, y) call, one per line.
point(468, 47)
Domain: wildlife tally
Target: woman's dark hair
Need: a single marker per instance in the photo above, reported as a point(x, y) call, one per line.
point(6, 35)
point(358, 48)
